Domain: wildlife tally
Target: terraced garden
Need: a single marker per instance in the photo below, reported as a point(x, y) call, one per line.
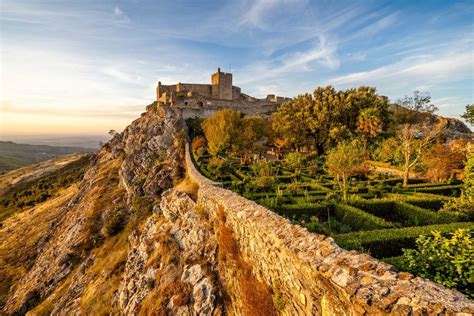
point(380, 216)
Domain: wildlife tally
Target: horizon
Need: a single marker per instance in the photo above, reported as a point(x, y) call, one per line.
point(100, 68)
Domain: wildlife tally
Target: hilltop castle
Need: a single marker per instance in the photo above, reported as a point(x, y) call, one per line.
point(203, 99)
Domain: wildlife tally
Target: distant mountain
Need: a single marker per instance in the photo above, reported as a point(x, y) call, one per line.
point(13, 155)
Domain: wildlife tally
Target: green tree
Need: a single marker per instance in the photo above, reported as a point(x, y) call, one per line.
point(343, 161)
point(369, 125)
point(315, 121)
point(469, 114)
point(445, 260)
point(220, 130)
point(250, 138)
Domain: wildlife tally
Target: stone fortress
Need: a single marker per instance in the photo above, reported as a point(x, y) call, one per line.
point(201, 100)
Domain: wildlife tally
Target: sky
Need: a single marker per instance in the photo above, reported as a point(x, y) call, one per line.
point(84, 67)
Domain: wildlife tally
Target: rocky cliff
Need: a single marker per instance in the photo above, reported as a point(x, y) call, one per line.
point(145, 233)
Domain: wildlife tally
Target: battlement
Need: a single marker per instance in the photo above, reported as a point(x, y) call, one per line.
point(220, 89)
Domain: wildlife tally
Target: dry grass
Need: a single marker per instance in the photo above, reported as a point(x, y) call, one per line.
point(188, 187)
point(256, 296)
point(17, 249)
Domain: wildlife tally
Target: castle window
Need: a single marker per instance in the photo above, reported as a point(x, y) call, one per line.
point(200, 104)
point(186, 103)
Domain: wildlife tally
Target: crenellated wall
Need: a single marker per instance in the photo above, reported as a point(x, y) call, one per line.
point(310, 274)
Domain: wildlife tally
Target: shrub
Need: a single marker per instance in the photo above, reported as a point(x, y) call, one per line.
point(446, 260)
point(358, 219)
point(294, 160)
point(384, 243)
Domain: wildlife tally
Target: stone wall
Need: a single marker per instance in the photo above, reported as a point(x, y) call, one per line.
point(311, 275)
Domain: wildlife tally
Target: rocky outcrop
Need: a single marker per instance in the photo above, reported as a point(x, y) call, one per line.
point(142, 161)
point(149, 267)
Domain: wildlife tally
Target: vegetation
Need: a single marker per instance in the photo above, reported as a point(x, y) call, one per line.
point(469, 114)
point(344, 161)
point(310, 163)
point(13, 155)
point(446, 260)
point(29, 193)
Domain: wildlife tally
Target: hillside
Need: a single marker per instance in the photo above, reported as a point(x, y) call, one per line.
point(138, 236)
point(14, 155)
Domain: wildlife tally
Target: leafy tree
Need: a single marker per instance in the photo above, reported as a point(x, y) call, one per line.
point(469, 114)
point(464, 205)
point(440, 161)
point(418, 106)
point(251, 135)
point(344, 161)
point(369, 125)
point(221, 129)
point(314, 121)
point(388, 150)
point(413, 139)
point(445, 260)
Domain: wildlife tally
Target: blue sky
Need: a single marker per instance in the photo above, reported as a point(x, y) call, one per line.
point(83, 67)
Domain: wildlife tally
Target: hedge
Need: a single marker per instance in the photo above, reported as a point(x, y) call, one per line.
point(435, 202)
point(308, 209)
point(386, 243)
point(358, 219)
point(406, 214)
point(450, 190)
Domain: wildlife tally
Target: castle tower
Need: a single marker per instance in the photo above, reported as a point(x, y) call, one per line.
point(221, 85)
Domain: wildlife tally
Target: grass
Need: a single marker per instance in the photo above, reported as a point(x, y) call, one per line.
point(256, 297)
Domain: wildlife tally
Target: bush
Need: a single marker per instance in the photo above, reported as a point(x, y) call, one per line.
point(446, 260)
point(384, 243)
point(294, 160)
point(358, 219)
point(308, 209)
point(217, 166)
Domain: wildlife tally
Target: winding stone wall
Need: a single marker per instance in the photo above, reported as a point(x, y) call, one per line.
point(310, 274)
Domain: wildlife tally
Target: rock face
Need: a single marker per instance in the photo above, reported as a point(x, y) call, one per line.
point(142, 161)
point(192, 267)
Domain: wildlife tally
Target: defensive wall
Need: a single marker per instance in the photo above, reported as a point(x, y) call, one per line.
point(310, 273)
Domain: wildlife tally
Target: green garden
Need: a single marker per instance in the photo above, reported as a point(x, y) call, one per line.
point(325, 178)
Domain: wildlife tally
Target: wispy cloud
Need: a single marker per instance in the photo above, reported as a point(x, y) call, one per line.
point(121, 16)
point(426, 68)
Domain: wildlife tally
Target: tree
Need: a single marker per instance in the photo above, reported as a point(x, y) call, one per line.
point(464, 205)
point(369, 125)
point(220, 130)
point(318, 120)
point(469, 114)
point(440, 161)
point(343, 161)
point(413, 139)
point(251, 137)
point(419, 102)
point(388, 150)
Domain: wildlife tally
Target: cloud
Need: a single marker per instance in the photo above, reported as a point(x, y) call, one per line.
point(260, 11)
point(428, 68)
point(121, 16)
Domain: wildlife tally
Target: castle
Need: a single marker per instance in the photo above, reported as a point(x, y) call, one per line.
point(203, 99)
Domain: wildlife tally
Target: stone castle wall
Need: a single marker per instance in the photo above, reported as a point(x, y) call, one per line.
point(310, 274)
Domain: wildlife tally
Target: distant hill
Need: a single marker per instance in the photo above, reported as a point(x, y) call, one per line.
point(13, 155)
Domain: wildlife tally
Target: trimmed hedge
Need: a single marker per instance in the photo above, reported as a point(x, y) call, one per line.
point(406, 214)
point(434, 203)
point(449, 190)
point(358, 219)
point(386, 243)
point(318, 210)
